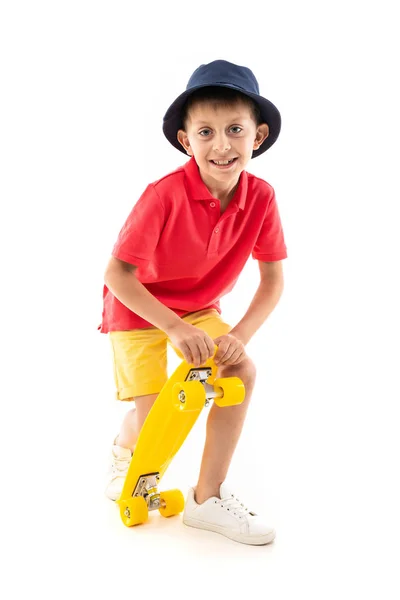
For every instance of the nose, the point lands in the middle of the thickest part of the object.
(221, 143)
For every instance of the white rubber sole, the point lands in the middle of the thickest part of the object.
(253, 540)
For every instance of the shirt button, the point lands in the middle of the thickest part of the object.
(216, 230)
(212, 204)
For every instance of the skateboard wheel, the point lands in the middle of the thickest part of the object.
(133, 511)
(188, 395)
(172, 502)
(232, 389)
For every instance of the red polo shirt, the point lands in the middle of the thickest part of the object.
(189, 255)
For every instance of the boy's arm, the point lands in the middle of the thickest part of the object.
(195, 345)
(121, 280)
(265, 299)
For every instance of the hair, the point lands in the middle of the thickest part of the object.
(219, 96)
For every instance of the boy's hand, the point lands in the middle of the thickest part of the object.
(230, 350)
(195, 345)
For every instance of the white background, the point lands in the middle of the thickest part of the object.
(84, 87)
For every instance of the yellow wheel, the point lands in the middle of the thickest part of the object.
(133, 511)
(232, 390)
(188, 395)
(173, 503)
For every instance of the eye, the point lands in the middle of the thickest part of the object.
(236, 127)
(205, 131)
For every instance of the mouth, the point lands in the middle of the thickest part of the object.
(223, 164)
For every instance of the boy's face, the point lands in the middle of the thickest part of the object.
(218, 133)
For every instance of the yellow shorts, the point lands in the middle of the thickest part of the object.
(140, 355)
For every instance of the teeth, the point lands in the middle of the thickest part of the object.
(223, 162)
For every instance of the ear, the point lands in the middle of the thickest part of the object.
(261, 134)
(184, 141)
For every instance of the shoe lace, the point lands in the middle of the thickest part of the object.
(119, 467)
(233, 505)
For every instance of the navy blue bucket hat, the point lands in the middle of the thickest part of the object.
(221, 73)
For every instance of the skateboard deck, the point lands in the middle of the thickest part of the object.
(166, 427)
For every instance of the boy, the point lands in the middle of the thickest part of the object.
(180, 250)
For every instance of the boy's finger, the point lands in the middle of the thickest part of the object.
(220, 356)
(210, 346)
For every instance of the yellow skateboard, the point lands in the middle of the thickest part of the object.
(169, 421)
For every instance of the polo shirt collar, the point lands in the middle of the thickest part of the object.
(198, 190)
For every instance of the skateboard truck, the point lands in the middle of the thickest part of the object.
(201, 374)
(147, 487)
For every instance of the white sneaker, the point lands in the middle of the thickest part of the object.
(120, 461)
(228, 516)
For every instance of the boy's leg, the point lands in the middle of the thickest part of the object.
(125, 443)
(224, 426)
(140, 369)
(212, 505)
(133, 421)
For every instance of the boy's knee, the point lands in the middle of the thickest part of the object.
(245, 370)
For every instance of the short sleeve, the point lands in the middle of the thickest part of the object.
(270, 245)
(141, 232)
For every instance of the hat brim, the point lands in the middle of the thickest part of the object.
(172, 121)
